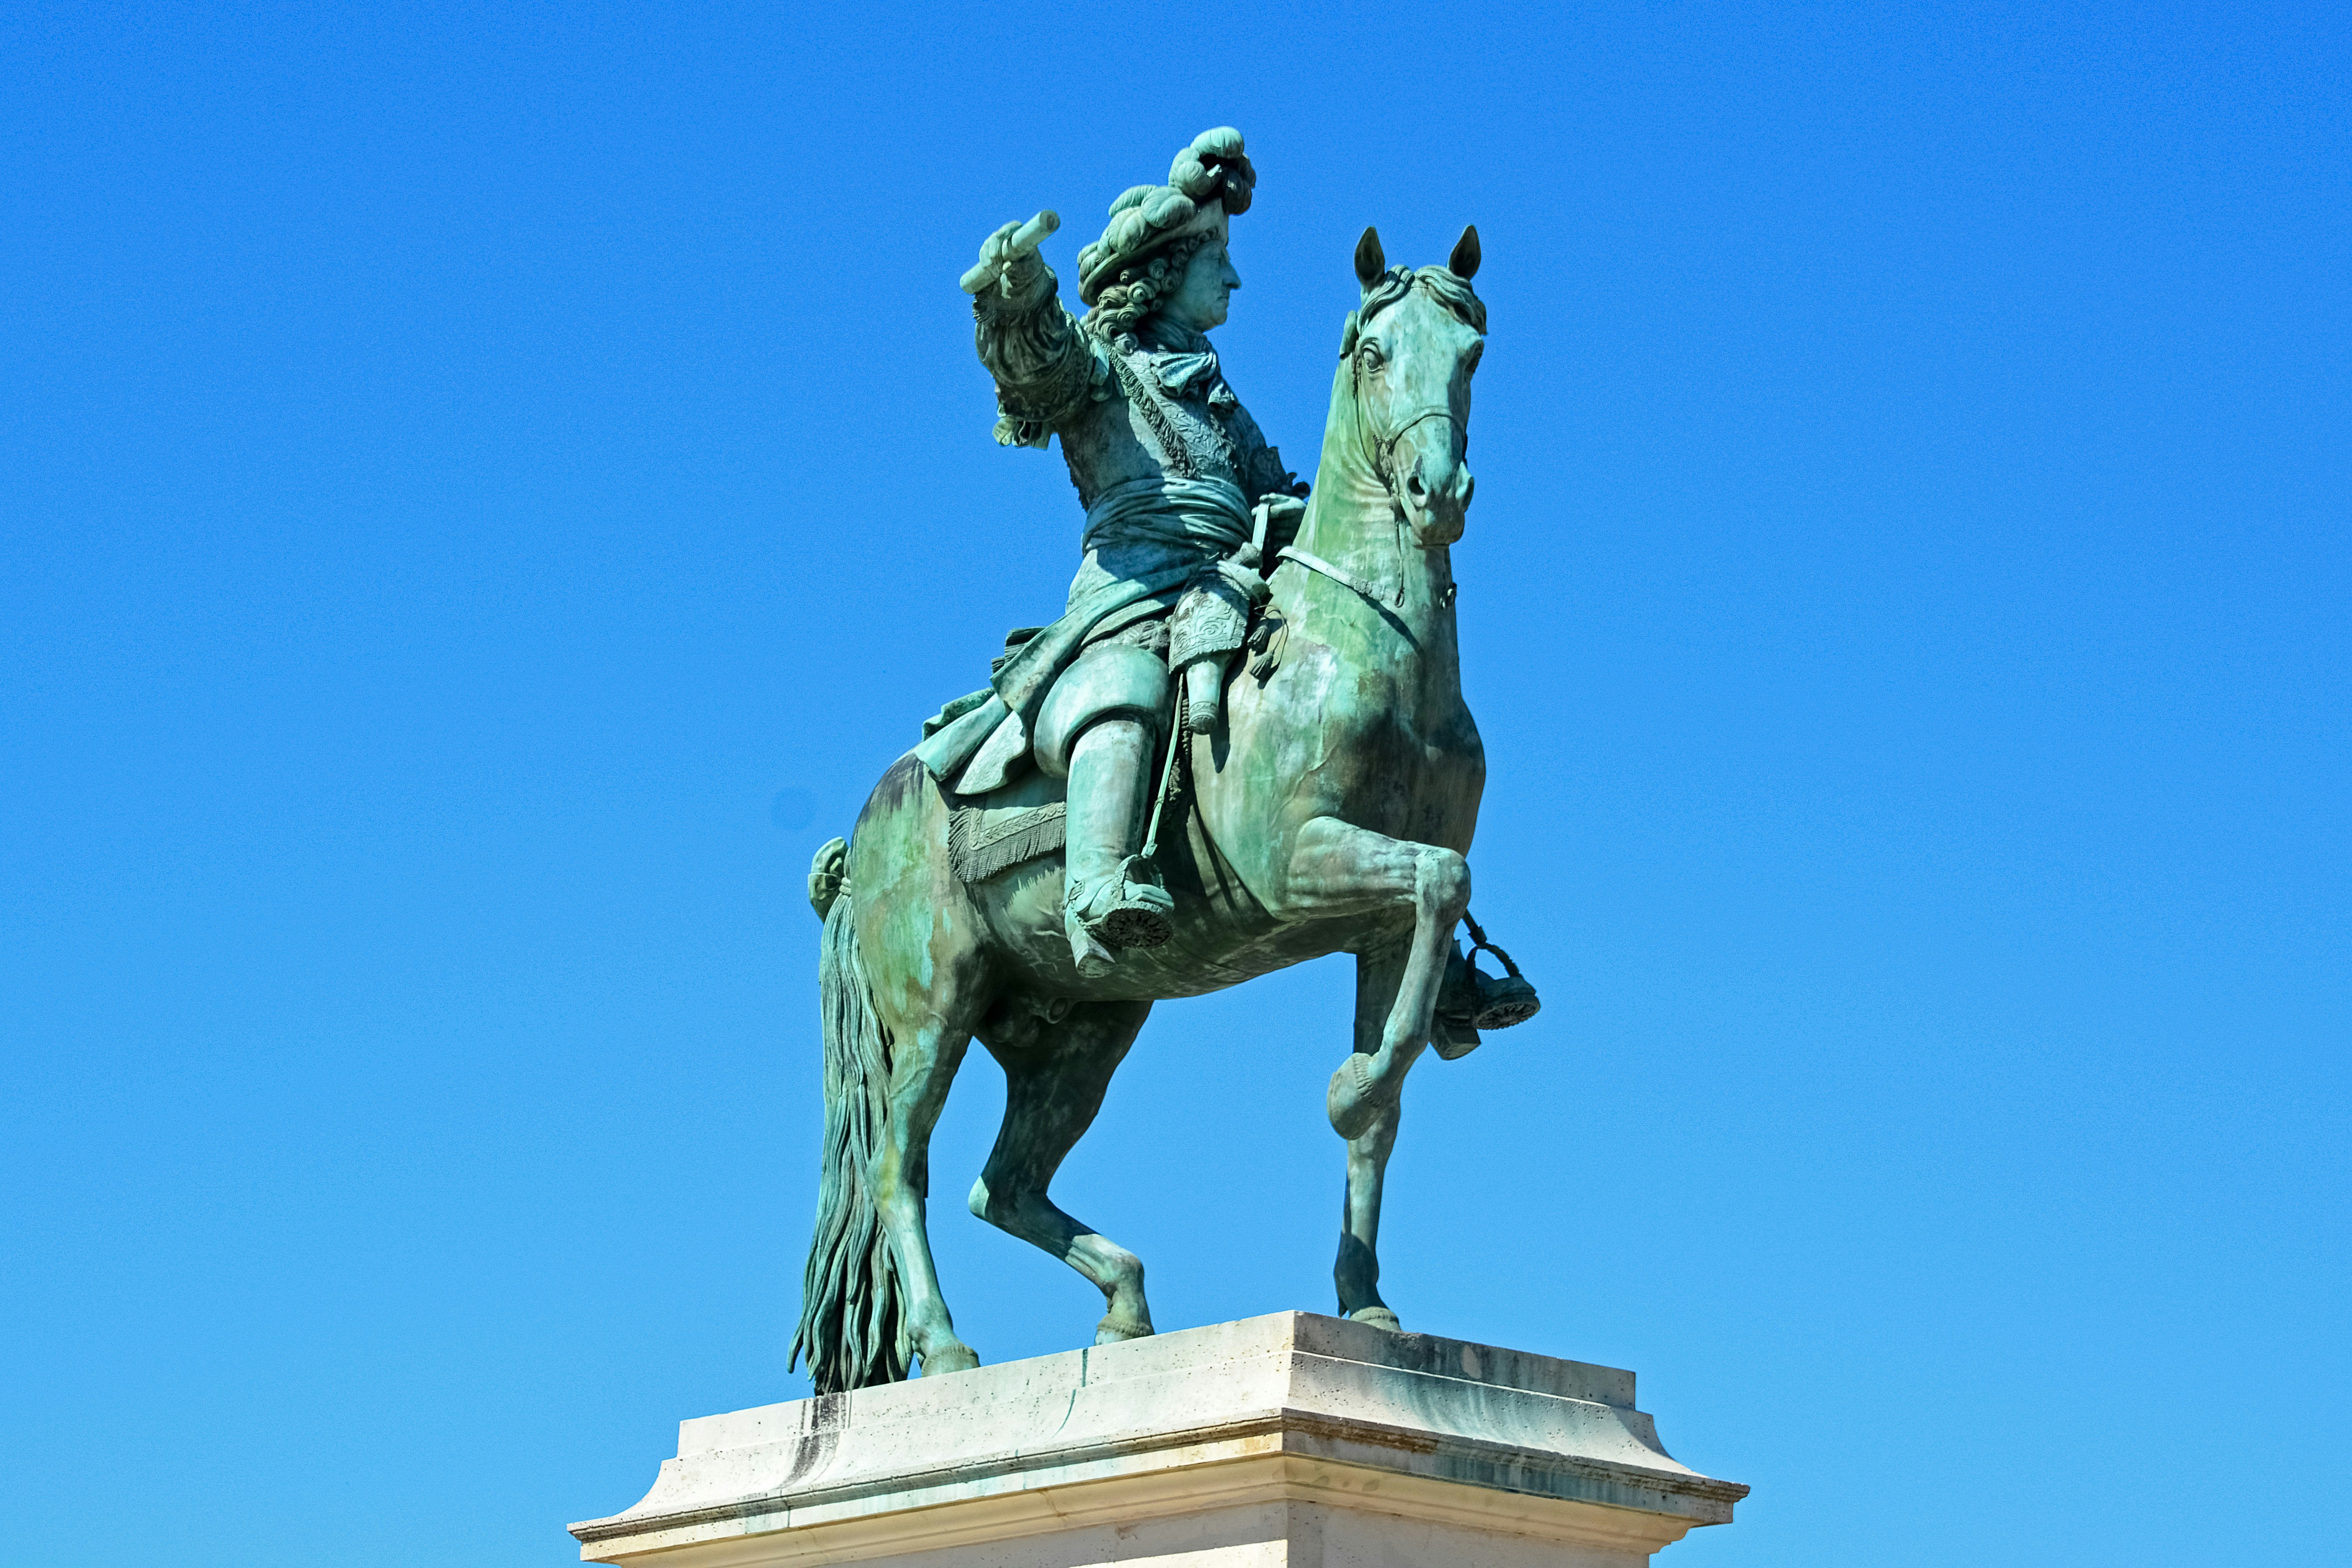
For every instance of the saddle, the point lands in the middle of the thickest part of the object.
(1000, 812)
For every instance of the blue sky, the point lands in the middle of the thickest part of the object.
(484, 490)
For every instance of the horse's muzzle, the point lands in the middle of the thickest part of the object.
(1436, 500)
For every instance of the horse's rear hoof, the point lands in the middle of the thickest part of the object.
(955, 1358)
(1378, 1318)
(1115, 1330)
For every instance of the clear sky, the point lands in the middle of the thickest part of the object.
(485, 488)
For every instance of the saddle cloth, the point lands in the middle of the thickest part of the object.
(985, 840)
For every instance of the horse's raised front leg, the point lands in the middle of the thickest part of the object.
(1337, 868)
(1054, 1076)
(926, 1052)
(1357, 1274)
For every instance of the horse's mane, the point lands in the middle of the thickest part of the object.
(1448, 287)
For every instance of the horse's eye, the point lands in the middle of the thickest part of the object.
(1370, 354)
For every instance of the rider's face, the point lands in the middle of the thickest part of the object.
(1209, 277)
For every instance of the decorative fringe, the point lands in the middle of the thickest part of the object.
(852, 1322)
(979, 849)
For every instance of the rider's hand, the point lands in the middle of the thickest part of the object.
(1284, 510)
(1017, 275)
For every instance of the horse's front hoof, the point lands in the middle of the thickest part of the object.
(955, 1358)
(1115, 1329)
(1350, 1100)
(1379, 1317)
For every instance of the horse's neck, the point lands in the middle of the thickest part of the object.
(1352, 523)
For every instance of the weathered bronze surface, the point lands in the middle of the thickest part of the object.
(1242, 746)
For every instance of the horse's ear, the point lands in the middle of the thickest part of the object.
(1464, 263)
(1370, 261)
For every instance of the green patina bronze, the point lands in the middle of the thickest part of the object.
(1243, 745)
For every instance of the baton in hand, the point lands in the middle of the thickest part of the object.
(1024, 240)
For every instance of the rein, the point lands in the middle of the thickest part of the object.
(1317, 563)
(1377, 455)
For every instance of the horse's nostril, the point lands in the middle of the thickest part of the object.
(1412, 482)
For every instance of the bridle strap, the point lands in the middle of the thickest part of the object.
(1383, 470)
(1428, 414)
(1380, 450)
(1377, 455)
(1317, 563)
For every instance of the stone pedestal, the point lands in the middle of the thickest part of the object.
(1290, 1439)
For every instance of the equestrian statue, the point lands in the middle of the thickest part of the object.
(1242, 746)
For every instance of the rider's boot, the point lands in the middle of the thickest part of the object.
(1104, 908)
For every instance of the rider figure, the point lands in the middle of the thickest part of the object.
(1170, 468)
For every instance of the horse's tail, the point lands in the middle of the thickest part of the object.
(853, 1320)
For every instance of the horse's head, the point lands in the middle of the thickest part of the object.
(1412, 346)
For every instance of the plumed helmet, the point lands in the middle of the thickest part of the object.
(1210, 181)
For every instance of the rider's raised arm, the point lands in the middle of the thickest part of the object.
(1047, 369)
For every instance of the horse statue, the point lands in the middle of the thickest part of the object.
(1327, 809)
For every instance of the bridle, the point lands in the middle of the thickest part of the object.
(1379, 451)
(1377, 455)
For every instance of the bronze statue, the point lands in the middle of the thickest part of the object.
(1242, 746)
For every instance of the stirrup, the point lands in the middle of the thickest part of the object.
(1119, 911)
(1470, 1000)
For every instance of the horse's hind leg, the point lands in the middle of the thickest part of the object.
(1054, 1076)
(928, 980)
(925, 1054)
(1358, 1271)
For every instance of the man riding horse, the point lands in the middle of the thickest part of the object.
(1181, 491)
(1331, 810)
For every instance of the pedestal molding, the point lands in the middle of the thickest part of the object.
(1170, 1429)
